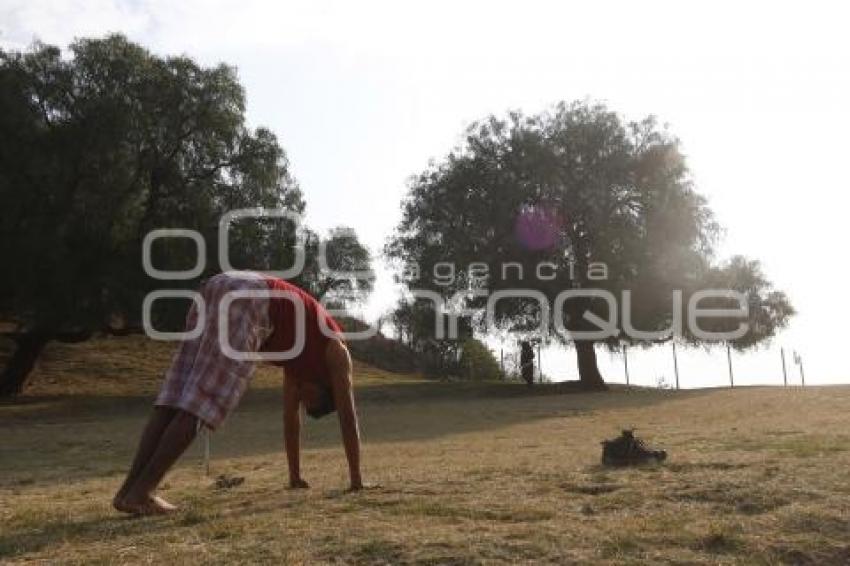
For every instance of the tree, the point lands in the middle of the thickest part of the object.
(766, 305)
(96, 150)
(477, 362)
(347, 272)
(414, 321)
(571, 199)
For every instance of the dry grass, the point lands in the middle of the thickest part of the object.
(469, 474)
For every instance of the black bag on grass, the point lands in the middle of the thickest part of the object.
(628, 450)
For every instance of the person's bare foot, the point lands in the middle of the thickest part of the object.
(152, 505)
(163, 504)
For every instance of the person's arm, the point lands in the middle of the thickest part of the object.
(292, 432)
(344, 400)
(343, 393)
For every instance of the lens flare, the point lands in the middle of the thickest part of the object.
(538, 228)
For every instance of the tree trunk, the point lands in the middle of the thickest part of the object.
(588, 371)
(21, 363)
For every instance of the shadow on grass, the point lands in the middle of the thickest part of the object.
(33, 538)
(54, 439)
(35, 532)
(71, 409)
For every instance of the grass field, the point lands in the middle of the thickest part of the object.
(468, 473)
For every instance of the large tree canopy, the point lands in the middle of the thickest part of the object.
(101, 146)
(561, 194)
(345, 273)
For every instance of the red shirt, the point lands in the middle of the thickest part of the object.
(310, 363)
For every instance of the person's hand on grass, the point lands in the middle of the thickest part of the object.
(298, 483)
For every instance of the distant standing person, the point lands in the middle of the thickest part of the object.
(526, 362)
(204, 384)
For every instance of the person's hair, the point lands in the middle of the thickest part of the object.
(325, 406)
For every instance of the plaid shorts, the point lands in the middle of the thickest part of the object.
(203, 380)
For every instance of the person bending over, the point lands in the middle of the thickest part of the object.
(206, 380)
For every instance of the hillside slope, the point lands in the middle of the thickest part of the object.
(468, 473)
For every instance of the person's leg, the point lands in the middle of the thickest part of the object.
(207, 383)
(157, 423)
(172, 390)
(176, 438)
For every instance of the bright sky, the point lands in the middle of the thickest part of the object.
(363, 94)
